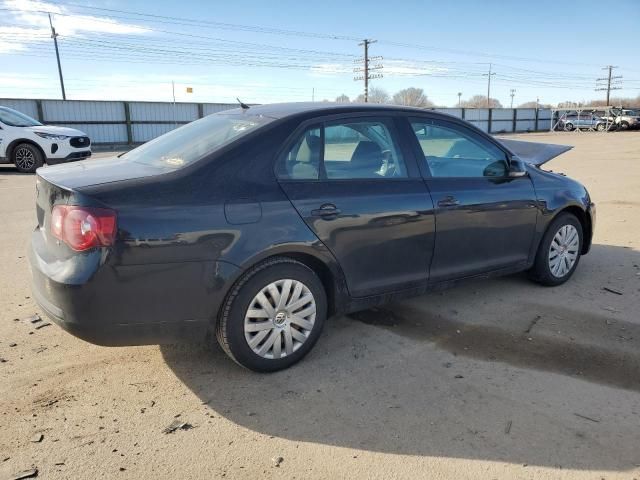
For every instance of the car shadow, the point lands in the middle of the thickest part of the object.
(460, 374)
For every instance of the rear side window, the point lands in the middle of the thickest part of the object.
(453, 151)
(349, 149)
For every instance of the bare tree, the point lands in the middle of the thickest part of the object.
(342, 99)
(413, 97)
(480, 101)
(534, 104)
(376, 95)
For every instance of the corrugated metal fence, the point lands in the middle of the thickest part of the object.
(116, 122)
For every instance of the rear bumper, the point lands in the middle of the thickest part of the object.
(128, 305)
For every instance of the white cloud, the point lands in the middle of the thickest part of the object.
(330, 69)
(32, 22)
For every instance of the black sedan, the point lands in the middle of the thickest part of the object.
(259, 223)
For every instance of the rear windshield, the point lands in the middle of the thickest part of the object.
(194, 141)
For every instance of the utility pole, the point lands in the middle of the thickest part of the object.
(488, 75)
(613, 82)
(513, 92)
(313, 94)
(459, 99)
(367, 67)
(54, 35)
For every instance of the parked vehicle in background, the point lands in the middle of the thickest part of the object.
(583, 120)
(625, 119)
(28, 144)
(256, 224)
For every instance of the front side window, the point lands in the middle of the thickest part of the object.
(14, 118)
(452, 151)
(350, 149)
(194, 141)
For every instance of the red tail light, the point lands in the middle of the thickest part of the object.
(83, 228)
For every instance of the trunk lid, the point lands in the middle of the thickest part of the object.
(533, 152)
(85, 173)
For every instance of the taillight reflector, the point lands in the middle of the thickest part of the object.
(83, 228)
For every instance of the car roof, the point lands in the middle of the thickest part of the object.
(282, 110)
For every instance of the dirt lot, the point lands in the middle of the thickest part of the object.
(494, 379)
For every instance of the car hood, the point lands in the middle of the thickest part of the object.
(70, 132)
(533, 152)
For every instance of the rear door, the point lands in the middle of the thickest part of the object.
(359, 189)
(485, 220)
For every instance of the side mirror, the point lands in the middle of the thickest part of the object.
(517, 168)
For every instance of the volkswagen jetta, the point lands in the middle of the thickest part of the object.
(256, 224)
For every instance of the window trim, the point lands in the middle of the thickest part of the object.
(387, 118)
(454, 125)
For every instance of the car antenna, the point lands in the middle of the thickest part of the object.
(243, 106)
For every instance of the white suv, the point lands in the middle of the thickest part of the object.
(28, 144)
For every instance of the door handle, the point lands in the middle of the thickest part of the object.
(448, 201)
(326, 210)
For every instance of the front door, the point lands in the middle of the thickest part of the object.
(359, 192)
(485, 220)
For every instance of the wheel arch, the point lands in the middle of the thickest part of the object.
(585, 223)
(17, 142)
(317, 259)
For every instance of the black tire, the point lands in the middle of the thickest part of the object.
(541, 270)
(601, 127)
(624, 125)
(26, 157)
(568, 127)
(230, 327)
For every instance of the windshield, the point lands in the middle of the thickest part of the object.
(16, 119)
(195, 140)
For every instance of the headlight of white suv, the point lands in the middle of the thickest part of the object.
(51, 136)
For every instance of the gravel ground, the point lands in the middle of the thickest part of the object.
(492, 379)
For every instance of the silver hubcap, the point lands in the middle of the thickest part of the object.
(280, 319)
(25, 158)
(563, 252)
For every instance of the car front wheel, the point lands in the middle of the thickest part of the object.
(559, 251)
(273, 315)
(27, 158)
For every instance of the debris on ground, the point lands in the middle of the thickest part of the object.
(533, 324)
(13, 345)
(38, 327)
(177, 425)
(37, 438)
(507, 429)
(32, 473)
(277, 461)
(458, 376)
(611, 290)
(587, 418)
(35, 318)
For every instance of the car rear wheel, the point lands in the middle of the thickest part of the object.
(601, 127)
(27, 158)
(273, 315)
(568, 127)
(624, 125)
(559, 251)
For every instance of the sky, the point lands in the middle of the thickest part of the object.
(263, 52)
